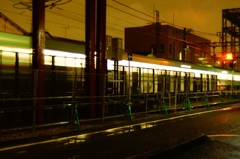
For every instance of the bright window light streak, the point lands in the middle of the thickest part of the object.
(224, 72)
(153, 66)
(236, 78)
(46, 52)
(185, 66)
(110, 64)
(63, 54)
(19, 50)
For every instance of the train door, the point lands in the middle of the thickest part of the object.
(147, 81)
(116, 80)
(161, 82)
(136, 81)
(204, 81)
(122, 80)
(214, 82)
(173, 76)
(182, 82)
(197, 83)
(209, 83)
(156, 75)
(191, 81)
(167, 81)
(178, 79)
(187, 82)
(110, 82)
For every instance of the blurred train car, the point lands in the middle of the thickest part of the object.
(144, 80)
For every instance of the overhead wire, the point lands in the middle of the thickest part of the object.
(184, 42)
(165, 35)
(75, 16)
(163, 21)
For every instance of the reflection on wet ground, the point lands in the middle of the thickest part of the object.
(83, 138)
(106, 133)
(120, 130)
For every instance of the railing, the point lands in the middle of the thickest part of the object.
(19, 113)
(20, 108)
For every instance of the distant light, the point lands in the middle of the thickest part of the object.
(185, 66)
(225, 72)
(229, 56)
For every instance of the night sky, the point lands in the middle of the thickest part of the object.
(203, 16)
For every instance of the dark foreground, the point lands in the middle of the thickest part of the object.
(208, 134)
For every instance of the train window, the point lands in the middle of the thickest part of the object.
(143, 82)
(204, 82)
(48, 60)
(110, 82)
(129, 77)
(214, 82)
(182, 82)
(70, 62)
(123, 80)
(161, 81)
(209, 83)
(122, 77)
(167, 81)
(80, 63)
(157, 73)
(178, 78)
(147, 80)
(25, 59)
(186, 82)
(8, 58)
(150, 81)
(192, 77)
(135, 83)
(60, 61)
(173, 75)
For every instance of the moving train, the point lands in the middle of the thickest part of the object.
(143, 80)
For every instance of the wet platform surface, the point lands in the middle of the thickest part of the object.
(170, 137)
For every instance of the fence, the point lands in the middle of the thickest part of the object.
(24, 105)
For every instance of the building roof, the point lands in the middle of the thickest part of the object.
(7, 25)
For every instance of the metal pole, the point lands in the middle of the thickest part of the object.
(90, 38)
(147, 94)
(232, 81)
(101, 61)
(38, 45)
(176, 89)
(129, 85)
(35, 77)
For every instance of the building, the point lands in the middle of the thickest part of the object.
(165, 41)
(231, 37)
(8, 26)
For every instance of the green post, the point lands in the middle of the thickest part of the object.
(205, 101)
(162, 102)
(164, 107)
(129, 105)
(76, 117)
(187, 101)
(73, 110)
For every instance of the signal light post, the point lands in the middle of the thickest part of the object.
(229, 57)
